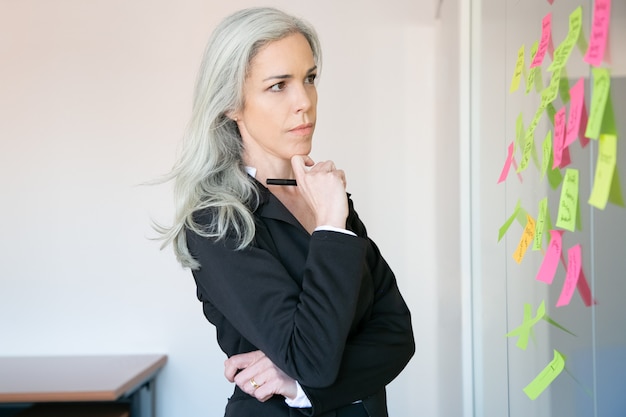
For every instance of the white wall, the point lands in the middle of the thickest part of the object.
(94, 97)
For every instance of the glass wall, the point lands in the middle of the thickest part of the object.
(548, 245)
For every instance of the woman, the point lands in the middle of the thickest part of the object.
(305, 307)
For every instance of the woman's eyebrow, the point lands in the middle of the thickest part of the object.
(288, 76)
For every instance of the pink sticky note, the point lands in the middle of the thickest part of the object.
(577, 115)
(507, 163)
(550, 1)
(584, 290)
(546, 35)
(519, 176)
(573, 274)
(558, 146)
(599, 32)
(551, 260)
(551, 48)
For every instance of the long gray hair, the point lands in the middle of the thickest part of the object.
(209, 173)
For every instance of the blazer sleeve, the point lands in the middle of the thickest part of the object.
(382, 347)
(302, 330)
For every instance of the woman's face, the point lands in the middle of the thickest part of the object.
(280, 100)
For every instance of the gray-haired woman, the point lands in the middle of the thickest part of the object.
(305, 307)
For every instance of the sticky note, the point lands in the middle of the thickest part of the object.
(526, 239)
(546, 161)
(519, 131)
(599, 32)
(546, 35)
(549, 94)
(568, 203)
(519, 68)
(560, 152)
(584, 290)
(525, 330)
(530, 81)
(505, 227)
(563, 51)
(528, 152)
(577, 120)
(605, 171)
(574, 266)
(555, 178)
(599, 98)
(564, 86)
(507, 163)
(550, 261)
(545, 377)
(540, 226)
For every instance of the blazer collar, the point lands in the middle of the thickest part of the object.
(271, 207)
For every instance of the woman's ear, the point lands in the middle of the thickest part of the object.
(233, 115)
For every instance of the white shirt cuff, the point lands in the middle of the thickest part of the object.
(335, 229)
(301, 400)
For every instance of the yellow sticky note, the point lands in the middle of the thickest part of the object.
(568, 203)
(519, 69)
(563, 51)
(545, 377)
(525, 240)
(600, 94)
(605, 171)
(529, 150)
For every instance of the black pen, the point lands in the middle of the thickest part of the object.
(280, 181)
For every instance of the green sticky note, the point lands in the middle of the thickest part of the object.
(545, 377)
(615, 195)
(551, 110)
(522, 217)
(519, 131)
(563, 51)
(519, 70)
(540, 226)
(538, 80)
(599, 98)
(529, 146)
(505, 227)
(608, 119)
(554, 175)
(568, 203)
(548, 227)
(605, 171)
(564, 87)
(549, 94)
(530, 81)
(546, 161)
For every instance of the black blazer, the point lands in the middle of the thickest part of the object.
(325, 308)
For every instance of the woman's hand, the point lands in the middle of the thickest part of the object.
(323, 187)
(257, 376)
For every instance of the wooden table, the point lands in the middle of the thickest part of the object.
(113, 378)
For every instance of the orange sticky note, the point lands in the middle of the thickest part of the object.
(574, 266)
(551, 260)
(599, 32)
(546, 35)
(526, 239)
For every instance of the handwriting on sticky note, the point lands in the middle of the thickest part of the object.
(546, 162)
(563, 51)
(574, 266)
(519, 68)
(568, 203)
(541, 224)
(577, 120)
(525, 240)
(558, 148)
(599, 98)
(599, 32)
(546, 35)
(528, 152)
(551, 259)
(605, 170)
(545, 377)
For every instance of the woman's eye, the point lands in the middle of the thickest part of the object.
(278, 86)
(311, 79)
